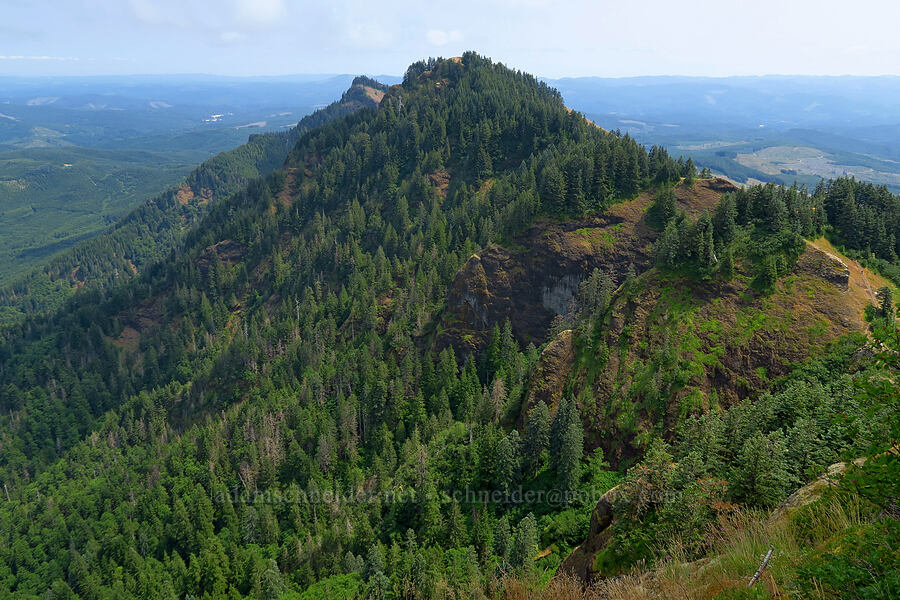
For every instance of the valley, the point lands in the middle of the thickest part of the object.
(75, 162)
(756, 129)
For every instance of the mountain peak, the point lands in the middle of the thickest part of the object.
(365, 91)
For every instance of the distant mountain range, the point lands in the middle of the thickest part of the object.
(781, 128)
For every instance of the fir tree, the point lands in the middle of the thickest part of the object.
(525, 543)
(760, 476)
(569, 461)
(507, 468)
(553, 189)
(537, 437)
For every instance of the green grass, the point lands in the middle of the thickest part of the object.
(842, 545)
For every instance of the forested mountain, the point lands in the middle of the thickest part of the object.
(148, 233)
(77, 154)
(339, 383)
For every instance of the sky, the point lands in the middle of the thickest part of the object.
(548, 38)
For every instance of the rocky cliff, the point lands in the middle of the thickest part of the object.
(535, 277)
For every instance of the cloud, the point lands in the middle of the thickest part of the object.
(220, 23)
(259, 12)
(368, 35)
(439, 37)
(20, 57)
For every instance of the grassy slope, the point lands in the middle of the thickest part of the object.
(671, 346)
(840, 542)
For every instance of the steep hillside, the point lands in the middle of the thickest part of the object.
(277, 350)
(276, 409)
(153, 230)
(669, 346)
(535, 275)
(818, 541)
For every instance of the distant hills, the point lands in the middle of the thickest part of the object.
(148, 232)
(77, 153)
(773, 128)
(749, 129)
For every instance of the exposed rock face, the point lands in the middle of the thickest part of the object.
(580, 562)
(531, 287)
(482, 295)
(539, 279)
(825, 265)
(559, 296)
(811, 492)
(550, 374)
(229, 252)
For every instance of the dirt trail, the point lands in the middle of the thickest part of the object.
(863, 283)
(866, 281)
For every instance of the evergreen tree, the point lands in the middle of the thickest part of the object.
(887, 310)
(595, 293)
(507, 465)
(525, 543)
(566, 413)
(806, 450)
(774, 212)
(271, 585)
(663, 208)
(760, 476)
(569, 461)
(724, 221)
(704, 249)
(726, 265)
(689, 171)
(768, 274)
(483, 167)
(566, 444)
(375, 561)
(553, 189)
(457, 536)
(537, 437)
(503, 541)
(668, 246)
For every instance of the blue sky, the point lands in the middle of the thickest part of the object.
(551, 39)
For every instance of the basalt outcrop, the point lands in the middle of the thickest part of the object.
(668, 346)
(535, 278)
(580, 563)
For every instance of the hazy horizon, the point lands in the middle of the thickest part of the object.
(312, 77)
(697, 38)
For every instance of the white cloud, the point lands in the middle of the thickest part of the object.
(368, 35)
(259, 12)
(20, 57)
(439, 37)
